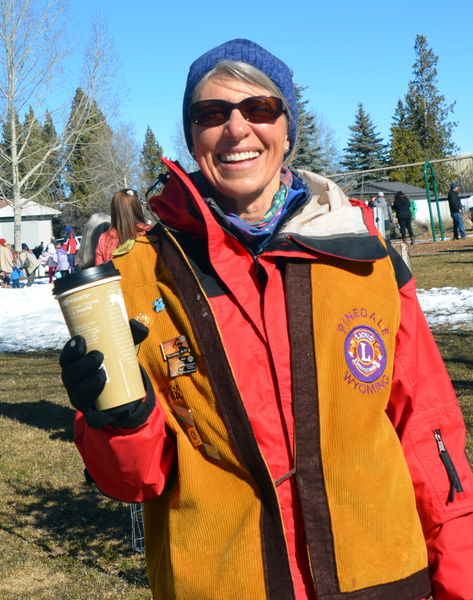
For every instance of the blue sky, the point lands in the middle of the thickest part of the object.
(345, 53)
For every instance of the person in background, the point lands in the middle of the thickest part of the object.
(372, 201)
(456, 211)
(402, 208)
(300, 437)
(38, 250)
(70, 247)
(127, 223)
(97, 224)
(16, 273)
(6, 260)
(384, 215)
(28, 263)
(4, 280)
(49, 257)
(62, 266)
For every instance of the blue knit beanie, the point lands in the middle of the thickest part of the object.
(453, 185)
(253, 54)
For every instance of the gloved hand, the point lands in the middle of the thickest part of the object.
(84, 380)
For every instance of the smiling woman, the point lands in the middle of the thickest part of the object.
(241, 156)
(300, 437)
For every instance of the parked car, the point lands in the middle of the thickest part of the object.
(78, 239)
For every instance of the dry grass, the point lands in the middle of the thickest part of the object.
(59, 538)
(62, 540)
(440, 264)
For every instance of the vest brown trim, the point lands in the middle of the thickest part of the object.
(397, 589)
(278, 578)
(308, 460)
(309, 475)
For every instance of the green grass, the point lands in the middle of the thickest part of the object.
(60, 539)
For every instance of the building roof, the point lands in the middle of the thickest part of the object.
(388, 187)
(30, 209)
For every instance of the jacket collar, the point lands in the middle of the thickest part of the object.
(329, 223)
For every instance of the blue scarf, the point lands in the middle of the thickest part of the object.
(258, 235)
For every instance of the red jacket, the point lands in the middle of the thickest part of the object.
(70, 246)
(421, 393)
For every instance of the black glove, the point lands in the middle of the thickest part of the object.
(84, 380)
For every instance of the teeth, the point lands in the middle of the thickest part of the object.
(236, 156)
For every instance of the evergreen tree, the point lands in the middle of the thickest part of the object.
(307, 152)
(365, 149)
(38, 176)
(150, 159)
(427, 113)
(6, 155)
(404, 147)
(84, 156)
(55, 162)
(423, 131)
(31, 137)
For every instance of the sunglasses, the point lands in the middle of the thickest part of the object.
(257, 109)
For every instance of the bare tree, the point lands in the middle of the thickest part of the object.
(115, 159)
(184, 157)
(32, 52)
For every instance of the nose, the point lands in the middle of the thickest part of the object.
(237, 127)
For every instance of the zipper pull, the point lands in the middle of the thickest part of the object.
(455, 483)
(438, 437)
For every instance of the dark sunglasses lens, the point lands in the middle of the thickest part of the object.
(209, 112)
(261, 109)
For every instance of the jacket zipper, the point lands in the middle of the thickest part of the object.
(455, 483)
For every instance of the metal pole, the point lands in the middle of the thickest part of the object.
(427, 165)
(427, 189)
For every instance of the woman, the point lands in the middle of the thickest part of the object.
(96, 226)
(293, 386)
(402, 208)
(127, 222)
(6, 260)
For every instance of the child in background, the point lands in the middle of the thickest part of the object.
(15, 276)
(62, 260)
(50, 259)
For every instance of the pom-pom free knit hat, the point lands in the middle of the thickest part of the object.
(253, 54)
(453, 185)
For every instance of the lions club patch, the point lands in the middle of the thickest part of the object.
(365, 353)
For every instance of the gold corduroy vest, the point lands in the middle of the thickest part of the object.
(216, 533)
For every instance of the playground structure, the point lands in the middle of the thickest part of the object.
(462, 171)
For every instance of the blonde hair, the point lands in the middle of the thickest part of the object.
(126, 212)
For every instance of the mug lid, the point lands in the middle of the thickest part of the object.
(89, 275)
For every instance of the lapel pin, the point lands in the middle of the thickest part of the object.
(158, 305)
